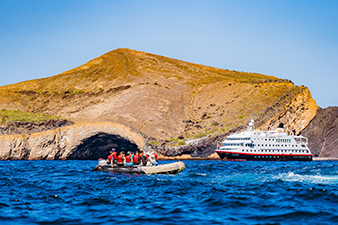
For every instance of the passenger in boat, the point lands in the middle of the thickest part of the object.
(120, 159)
(113, 160)
(144, 158)
(137, 159)
(129, 159)
(156, 158)
(108, 162)
(151, 160)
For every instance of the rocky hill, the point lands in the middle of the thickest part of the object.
(322, 133)
(170, 101)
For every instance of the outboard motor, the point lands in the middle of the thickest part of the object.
(101, 161)
(281, 125)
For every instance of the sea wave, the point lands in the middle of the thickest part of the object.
(206, 192)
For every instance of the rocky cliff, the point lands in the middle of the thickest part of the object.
(296, 114)
(322, 133)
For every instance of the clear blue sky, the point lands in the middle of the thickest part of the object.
(296, 40)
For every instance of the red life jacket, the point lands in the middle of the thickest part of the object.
(114, 155)
(120, 159)
(128, 158)
(135, 158)
(155, 156)
(109, 157)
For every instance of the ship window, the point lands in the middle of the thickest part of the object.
(265, 139)
(269, 139)
(270, 145)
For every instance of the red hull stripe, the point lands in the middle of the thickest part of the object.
(262, 153)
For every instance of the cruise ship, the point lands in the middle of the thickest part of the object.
(257, 145)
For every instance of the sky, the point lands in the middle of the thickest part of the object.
(289, 39)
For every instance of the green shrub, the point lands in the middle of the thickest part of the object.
(181, 142)
(174, 139)
(153, 143)
(199, 135)
(77, 91)
(9, 116)
(214, 124)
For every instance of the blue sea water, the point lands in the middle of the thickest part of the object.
(206, 192)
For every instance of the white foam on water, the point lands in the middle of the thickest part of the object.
(317, 179)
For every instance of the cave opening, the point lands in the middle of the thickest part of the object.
(99, 146)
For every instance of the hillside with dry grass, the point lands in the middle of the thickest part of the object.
(167, 99)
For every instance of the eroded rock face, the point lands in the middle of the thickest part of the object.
(31, 127)
(296, 115)
(71, 142)
(322, 133)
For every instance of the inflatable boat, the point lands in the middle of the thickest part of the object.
(171, 168)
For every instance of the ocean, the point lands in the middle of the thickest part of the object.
(206, 192)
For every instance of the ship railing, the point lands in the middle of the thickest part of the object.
(301, 140)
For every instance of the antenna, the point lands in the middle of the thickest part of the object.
(251, 125)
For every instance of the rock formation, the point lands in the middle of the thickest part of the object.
(81, 141)
(296, 115)
(32, 127)
(322, 133)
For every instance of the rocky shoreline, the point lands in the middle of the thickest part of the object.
(197, 148)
